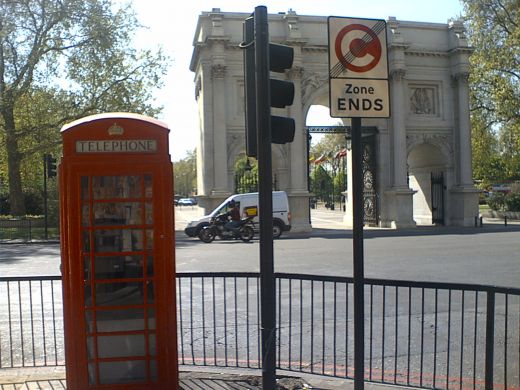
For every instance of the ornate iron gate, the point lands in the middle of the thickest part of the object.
(370, 196)
(437, 184)
(370, 191)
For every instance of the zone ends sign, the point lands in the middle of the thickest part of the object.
(358, 68)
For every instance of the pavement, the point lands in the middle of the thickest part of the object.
(203, 378)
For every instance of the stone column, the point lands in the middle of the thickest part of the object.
(464, 125)
(220, 169)
(463, 196)
(398, 127)
(399, 197)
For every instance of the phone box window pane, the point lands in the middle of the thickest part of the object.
(85, 215)
(127, 345)
(124, 320)
(148, 213)
(122, 372)
(150, 291)
(117, 213)
(86, 241)
(149, 239)
(118, 240)
(149, 265)
(119, 294)
(107, 187)
(151, 318)
(85, 195)
(148, 186)
(113, 267)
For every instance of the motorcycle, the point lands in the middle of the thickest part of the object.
(216, 227)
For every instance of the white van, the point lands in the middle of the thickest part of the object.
(248, 204)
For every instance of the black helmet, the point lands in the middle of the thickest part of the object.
(232, 203)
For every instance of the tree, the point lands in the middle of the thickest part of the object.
(61, 60)
(185, 174)
(323, 183)
(494, 32)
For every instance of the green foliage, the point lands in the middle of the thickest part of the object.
(512, 202)
(63, 60)
(328, 179)
(185, 175)
(497, 202)
(494, 32)
(246, 175)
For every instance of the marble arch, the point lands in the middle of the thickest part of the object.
(428, 66)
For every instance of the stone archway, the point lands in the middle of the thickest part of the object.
(426, 161)
(428, 66)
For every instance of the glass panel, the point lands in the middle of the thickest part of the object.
(149, 265)
(91, 374)
(125, 320)
(149, 239)
(150, 291)
(152, 345)
(86, 241)
(85, 215)
(122, 372)
(148, 186)
(153, 370)
(113, 267)
(121, 345)
(90, 348)
(86, 268)
(118, 240)
(120, 213)
(119, 294)
(107, 187)
(84, 188)
(151, 318)
(148, 219)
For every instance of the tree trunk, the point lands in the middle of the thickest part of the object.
(16, 199)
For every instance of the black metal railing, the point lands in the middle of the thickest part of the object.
(31, 322)
(419, 334)
(26, 230)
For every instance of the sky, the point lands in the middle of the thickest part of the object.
(171, 25)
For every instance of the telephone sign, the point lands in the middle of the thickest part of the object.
(358, 68)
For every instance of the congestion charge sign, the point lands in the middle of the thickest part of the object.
(358, 68)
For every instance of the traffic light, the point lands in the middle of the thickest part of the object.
(281, 93)
(262, 92)
(50, 165)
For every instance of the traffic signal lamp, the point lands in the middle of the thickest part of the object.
(262, 92)
(281, 93)
(50, 165)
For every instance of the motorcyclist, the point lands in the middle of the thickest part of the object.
(234, 217)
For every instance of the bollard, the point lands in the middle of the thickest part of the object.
(481, 224)
(505, 220)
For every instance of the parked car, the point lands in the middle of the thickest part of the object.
(186, 202)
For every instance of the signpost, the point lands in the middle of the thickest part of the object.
(358, 88)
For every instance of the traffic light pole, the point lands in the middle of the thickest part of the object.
(358, 267)
(263, 126)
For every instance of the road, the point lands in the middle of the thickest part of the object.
(487, 255)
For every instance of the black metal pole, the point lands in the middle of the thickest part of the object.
(263, 121)
(358, 266)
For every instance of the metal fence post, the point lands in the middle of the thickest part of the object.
(490, 339)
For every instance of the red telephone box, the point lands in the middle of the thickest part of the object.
(118, 254)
